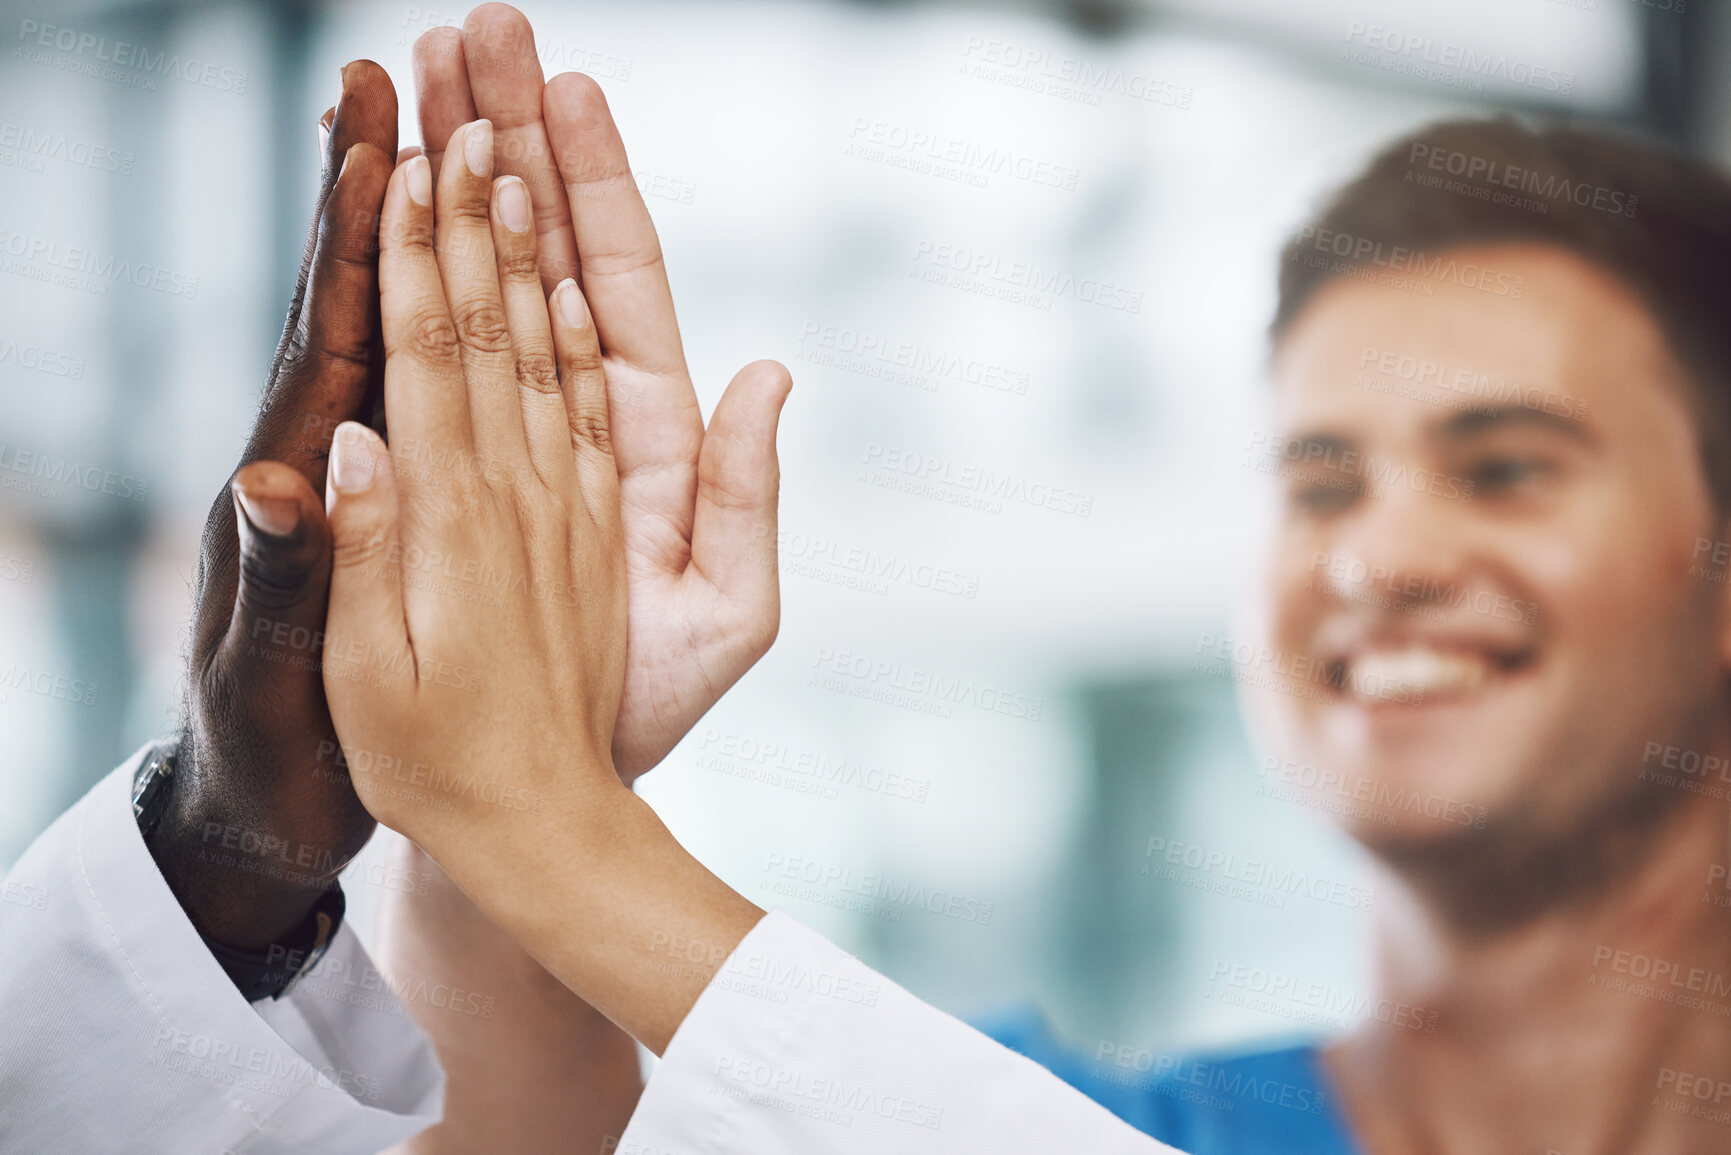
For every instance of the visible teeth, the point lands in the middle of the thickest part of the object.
(1387, 675)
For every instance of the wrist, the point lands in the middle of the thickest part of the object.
(239, 882)
(599, 893)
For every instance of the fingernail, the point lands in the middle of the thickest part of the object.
(351, 459)
(514, 204)
(419, 178)
(478, 148)
(571, 305)
(271, 516)
(324, 140)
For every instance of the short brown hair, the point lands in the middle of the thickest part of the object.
(1657, 219)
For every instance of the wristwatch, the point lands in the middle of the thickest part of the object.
(272, 972)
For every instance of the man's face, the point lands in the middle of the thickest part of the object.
(1485, 587)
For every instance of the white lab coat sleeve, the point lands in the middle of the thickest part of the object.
(797, 1048)
(119, 1032)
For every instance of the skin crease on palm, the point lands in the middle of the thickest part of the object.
(1539, 719)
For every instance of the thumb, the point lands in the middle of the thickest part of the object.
(368, 644)
(276, 631)
(738, 484)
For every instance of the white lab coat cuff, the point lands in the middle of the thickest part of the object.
(797, 1048)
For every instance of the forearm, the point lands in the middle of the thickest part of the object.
(605, 897)
(530, 1067)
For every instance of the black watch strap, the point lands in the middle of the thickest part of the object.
(272, 972)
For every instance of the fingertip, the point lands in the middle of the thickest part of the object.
(434, 46)
(494, 26)
(358, 458)
(368, 108)
(269, 497)
(418, 180)
(574, 92)
(570, 309)
(777, 378)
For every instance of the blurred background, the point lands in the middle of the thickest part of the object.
(983, 754)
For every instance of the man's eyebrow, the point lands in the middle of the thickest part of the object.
(1325, 441)
(1482, 419)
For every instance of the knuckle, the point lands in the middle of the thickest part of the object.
(359, 545)
(584, 359)
(519, 263)
(432, 336)
(589, 425)
(270, 581)
(536, 371)
(481, 326)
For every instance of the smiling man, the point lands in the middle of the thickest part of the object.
(1501, 371)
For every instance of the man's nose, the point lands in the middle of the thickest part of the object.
(1406, 544)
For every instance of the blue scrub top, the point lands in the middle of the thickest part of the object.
(1250, 1103)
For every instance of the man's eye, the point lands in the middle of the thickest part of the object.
(1506, 472)
(1324, 496)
